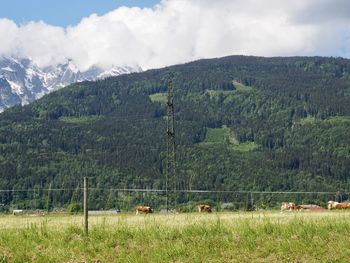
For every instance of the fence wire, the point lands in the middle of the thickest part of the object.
(126, 199)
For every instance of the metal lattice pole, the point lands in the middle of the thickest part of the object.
(170, 170)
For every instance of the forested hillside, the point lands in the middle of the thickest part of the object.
(242, 123)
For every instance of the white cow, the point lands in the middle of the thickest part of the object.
(17, 212)
(289, 206)
(332, 205)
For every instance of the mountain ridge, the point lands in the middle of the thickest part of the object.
(23, 81)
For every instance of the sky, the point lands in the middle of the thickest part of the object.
(62, 12)
(153, 34)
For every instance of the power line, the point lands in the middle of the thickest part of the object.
(37, 190)
(164, 190)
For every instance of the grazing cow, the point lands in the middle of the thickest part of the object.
(17, 212)
(336, 205)
(332, 205)
(144, 209)
(300, 207)
(288, 206)
(344, 205)
(310, 207)
(204, 208)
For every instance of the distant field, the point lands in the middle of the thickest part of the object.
(332, 120)
(240, 87)
(224, 135)
(159, 97)
(216, 237)
(219, 136)
(83, 119)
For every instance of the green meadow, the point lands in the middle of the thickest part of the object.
(224, 136)
(217, 237)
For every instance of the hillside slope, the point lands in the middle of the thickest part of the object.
(242, 123)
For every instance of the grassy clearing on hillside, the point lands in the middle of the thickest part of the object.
(219, 136)
(159, 97)
(82, 119)
(230, 94)
(240, 87)
(307, 120)
(224, 135)
(215, 93)
(245, 147)
(338, 119)
(332, 120)
(217, 237)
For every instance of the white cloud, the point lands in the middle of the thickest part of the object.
(177, 31)
(8, 34)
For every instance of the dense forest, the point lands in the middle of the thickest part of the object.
(242, 123)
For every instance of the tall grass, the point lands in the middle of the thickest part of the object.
(236, 237)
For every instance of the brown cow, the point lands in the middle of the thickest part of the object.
(144, 209)
(344, 205)
(300, 207)
(288, 206)
(331, 205)
(204, 208)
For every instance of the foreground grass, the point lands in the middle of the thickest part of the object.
(234, 237)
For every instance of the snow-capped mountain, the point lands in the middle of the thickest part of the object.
(22, 81)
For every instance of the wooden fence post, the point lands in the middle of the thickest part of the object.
(86, 205)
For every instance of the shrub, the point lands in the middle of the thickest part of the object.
(73, 208)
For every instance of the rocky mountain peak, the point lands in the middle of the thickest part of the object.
(22, 81)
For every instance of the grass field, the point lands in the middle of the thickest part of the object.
(216, 237)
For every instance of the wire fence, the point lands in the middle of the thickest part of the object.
(125, 200)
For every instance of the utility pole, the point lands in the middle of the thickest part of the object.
(170, 132)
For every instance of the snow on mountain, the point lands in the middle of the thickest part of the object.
(22, 81)
(7, 69)
(15, 87)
